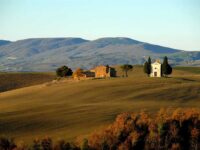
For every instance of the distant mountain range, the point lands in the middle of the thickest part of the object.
(46, 54)
(4, 42)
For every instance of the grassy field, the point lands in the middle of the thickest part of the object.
(69, 109)
(10, 81)
(189, 69)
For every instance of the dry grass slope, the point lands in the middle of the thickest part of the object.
(70, 109)
(10, 81)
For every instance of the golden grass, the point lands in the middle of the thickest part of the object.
(10, 81)
(70, 109)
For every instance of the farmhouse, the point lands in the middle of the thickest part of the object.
(98, 72)
(156, 69)
(104, 71)
(80, 74)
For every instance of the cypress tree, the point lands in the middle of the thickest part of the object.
(147, 66)
(149, 60)
(146, 70)
(166, 68)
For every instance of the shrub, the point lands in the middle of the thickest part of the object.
(64, 71)
(62, 145)
(36, 144)
(179, 129)
(7, 143)
(85, 145)
(46, 144)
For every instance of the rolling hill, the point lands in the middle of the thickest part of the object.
(72, 108)
(46, 54)
(4, 42)
(10, 81)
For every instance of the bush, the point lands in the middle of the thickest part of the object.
(62, 145)
(179, 129)
(36, 145)
(47, 144)
(64, 71)
(85, 145)
(7, 143)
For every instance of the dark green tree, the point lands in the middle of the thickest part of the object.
(126, 68)
(147, 66)
(166, 68)
(64, 71)
(149, 60)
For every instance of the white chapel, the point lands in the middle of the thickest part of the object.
(156, 69)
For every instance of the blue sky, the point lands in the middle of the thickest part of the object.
(172, 23)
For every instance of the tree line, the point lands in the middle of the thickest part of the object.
(169, 129)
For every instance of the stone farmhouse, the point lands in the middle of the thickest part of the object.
(83, 74)
(156, 70)
(88, 74)
(98, 72)
(104, 71)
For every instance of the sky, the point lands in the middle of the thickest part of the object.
(171, 23)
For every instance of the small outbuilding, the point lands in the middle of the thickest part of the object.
(156, 70)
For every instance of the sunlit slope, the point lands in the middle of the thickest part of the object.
(70, 109)
(10, 81)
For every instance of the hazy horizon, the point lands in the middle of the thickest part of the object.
(173, 23)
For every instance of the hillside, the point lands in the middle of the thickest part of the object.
(10, 81)
(72, 108)
(4, 42)
(46, 54)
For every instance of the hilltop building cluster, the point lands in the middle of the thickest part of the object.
(155, 69)
(97, 72)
